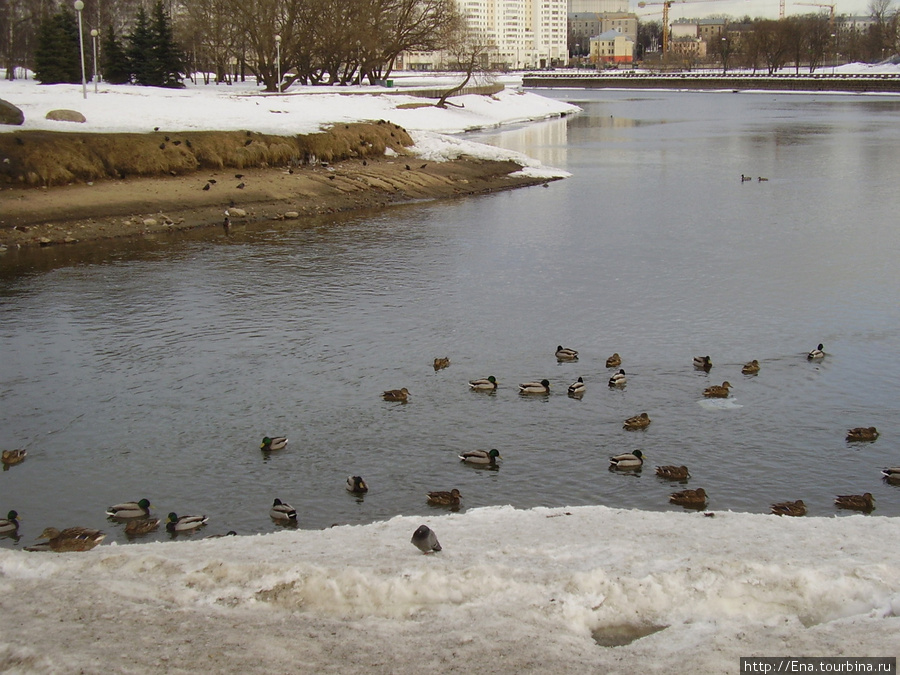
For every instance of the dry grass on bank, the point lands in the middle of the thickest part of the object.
(38, 158)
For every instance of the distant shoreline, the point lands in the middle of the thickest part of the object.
(822, 82)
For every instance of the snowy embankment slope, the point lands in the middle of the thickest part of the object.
(120, 109)
(511, 591)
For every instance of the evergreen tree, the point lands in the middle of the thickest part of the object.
(56, 55)
(140, 50)
(113, 61)
(168, 60)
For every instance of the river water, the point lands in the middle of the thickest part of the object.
(154, 369)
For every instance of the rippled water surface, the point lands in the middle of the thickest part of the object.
(153, 370)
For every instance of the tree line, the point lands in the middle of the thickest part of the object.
(811, 41)
(306, 41)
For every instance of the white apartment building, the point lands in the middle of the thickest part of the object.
(523, 34)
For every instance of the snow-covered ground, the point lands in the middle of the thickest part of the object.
(301, 110)
(542, 591)
(512, 591)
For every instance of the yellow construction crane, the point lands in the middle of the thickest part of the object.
(665, 20)
(830, 11)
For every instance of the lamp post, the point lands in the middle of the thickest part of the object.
(94, 35)
(278, 59)
(79, 6)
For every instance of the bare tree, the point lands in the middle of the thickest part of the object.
(468, 52)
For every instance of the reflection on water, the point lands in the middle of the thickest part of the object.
(155, 369)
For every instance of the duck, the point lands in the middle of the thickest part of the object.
(702, 362)
(864, 502)
(542, 387)
(627, 460)
(641, 421)
(797, 508)
(10, 457)
(614, 361)
(717, 391)
(441, 363)
(577, 388)
(618, 379)
(444, 498)
(396, 395)
(139, 526)
(673, 472)
(283, 513)
(751, 368)
(140, 509)
(891, 474)
(176, 523)
(816, 353)
(425, 540)
(356, 485)
(72, 539)
(10, 524)
(744, 178)
(481, 457)
(566, 354)
(273, 443)
(692, 498)
(488, 383)
(862, 434)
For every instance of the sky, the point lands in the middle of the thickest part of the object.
(564, 590)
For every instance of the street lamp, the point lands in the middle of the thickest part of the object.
(278, 59)
(94, 34)
(79, 5)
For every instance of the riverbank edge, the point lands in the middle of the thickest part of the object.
(112, 209)
(817, 83)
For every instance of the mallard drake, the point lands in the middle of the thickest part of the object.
(566, 354)
(891, 474)
(441, 363)
(425, 540)
(864, 502)
(577, 388)
(695, 499)
(673, 472)
(641, 421)
(356, 485)
(862, 434)
(176, 523)
(797, 508)
(444, 498)
(72, 539)
(751, 368)
(396, 395)
(618, 379)
(10, 457)
(481, 457)
(614, 361)
(542, 387)
(816, 353)
(488, 383)
(717, 391)
(702, 362)
(283, 513)
(10, 524)
(125, 510)
(627, 460)
(140, 526)
(274, 443)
